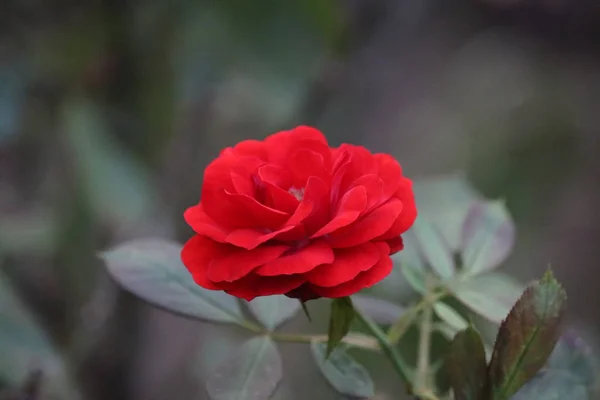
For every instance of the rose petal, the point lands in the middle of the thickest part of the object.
(409, 211)
(196, 255)
(230, 263)
(352, 204)
(374, 187)
(300, 261)
(368, 227)
(390, 172)
(396, 244)
(348, 263)
(304, 163)
(252, 286)
(364, 280)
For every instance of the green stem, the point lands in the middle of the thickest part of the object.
(388, 349)
(422, 377)
(251, 326)
(352, 339)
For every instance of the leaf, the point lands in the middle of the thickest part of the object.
(272, 311)
(250, 373)
(527, 337)
(466, 366)
(570, 373)
(552, 385)
(445, 200)
(575, 357)
(435, 251)
(488, 236)
(411, 263)
(490, 295)
(152, 269)
(117, 187)
(381, 311)
(450, 316)
(346, 375)
(25, 347)
(342, 314)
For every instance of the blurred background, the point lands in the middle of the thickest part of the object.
(111, 109)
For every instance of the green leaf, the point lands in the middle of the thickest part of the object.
(434, 248)
(24, 346)
(488, 236)
(117, 187)
(466, 366)
(346, 375)
(252, 372)
(381, 311)
(445, 200)
(527, 337)
(411, 263)
(152, 269)
(553, 385)
(491, 295)
(272, 311)
(450, 316)
(571, 373)
(342, 314)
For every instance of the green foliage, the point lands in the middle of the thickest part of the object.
(527, 337)
(342, 314)
(251, 372)
(466, 366)
(272, 311)
(434, 248)
(25, 347)
(152, 269)
(381, 311)
(344, 373)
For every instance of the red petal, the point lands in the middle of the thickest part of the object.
(254, 148)
(390, 173)
(370, 226)
(202, 224)
(351, 206)
(299, 262)
(251, 238)
(196, 256)
(396, 244)
(252, 286)
(409, 211)
(374, 187)
(230, 263)
(364, 280)
(316, 197)
(304, 163)
(280, 144)
(348, 263)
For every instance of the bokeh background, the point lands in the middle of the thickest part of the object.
(111, 109)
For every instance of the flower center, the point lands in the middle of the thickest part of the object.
(298, 193)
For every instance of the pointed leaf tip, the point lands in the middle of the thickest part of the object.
(527, 337)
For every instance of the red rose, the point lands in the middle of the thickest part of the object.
(291, 215)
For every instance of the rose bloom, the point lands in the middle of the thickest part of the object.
(291, 215)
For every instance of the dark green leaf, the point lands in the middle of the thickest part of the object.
(381, 311)
(252, 372)
(346, 375)
(527, 337)
(152, 269)
(342, 314)
(24, 346)
(305, 310)
(488, 236)
(466, 366)
(434, 248)
(491, 295)
(272, 311)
